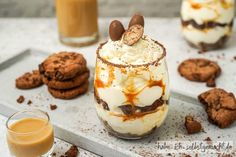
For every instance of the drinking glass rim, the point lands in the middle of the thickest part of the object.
(23, 111)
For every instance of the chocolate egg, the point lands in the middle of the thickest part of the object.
(137, 19)
(116, 30)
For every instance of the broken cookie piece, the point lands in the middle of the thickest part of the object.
(29, 80)
(192, 125)
(133, 34)
(220, 106)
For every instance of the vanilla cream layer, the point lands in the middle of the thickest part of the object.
(201, 11)
(139, 86)
(142, 52)
(137, 126)
(209, 36)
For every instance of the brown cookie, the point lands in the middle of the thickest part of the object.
(67, 84)
(63, 65)
(29, 80)
(192, 125)
(200, 70)
(133, 34)
(69, 93)
(220, 106)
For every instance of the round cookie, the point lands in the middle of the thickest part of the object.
(29, 80)
(67, 84)
(63, 65)
(199, 69)
(69, 93)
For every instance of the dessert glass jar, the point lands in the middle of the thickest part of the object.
(207, 24)
(30, 134)
(131, 96)
(77, 21)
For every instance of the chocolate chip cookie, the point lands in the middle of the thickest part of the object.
(220, 106)
(29, 80)
(63, 65)
(69, 93)
(200, 70)
(67, 84)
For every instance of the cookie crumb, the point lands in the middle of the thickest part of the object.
(54, 154)
(211, 82)
(207, 139)
(234, 57)
(72, 152)
(53, 107)
(21, 99)
(192, 125)
(29, 102)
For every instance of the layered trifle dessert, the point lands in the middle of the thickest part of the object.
(131, 81)
(207, 24)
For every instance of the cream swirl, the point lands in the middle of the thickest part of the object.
(144, 51)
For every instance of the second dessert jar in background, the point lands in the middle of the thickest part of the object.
(131, 81)
(207, 24)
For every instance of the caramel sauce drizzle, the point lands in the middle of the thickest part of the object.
(210, 6)
(131, 95)
(130, 91)
(196, 5)
(98, 83)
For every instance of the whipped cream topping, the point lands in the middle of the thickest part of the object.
(221, 11)
(143, 52)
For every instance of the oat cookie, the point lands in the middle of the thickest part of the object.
(69, 93)
(67, 84)
(200, 70)
(63, 65)
(29, 80)
(220, 106)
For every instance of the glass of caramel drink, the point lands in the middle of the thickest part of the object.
(77, 21)
(30, 134)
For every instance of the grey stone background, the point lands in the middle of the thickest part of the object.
(107, 8)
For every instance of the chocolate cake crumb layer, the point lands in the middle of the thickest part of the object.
(209, 24)
(126, 135)
(131, 109)
(211, 46)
